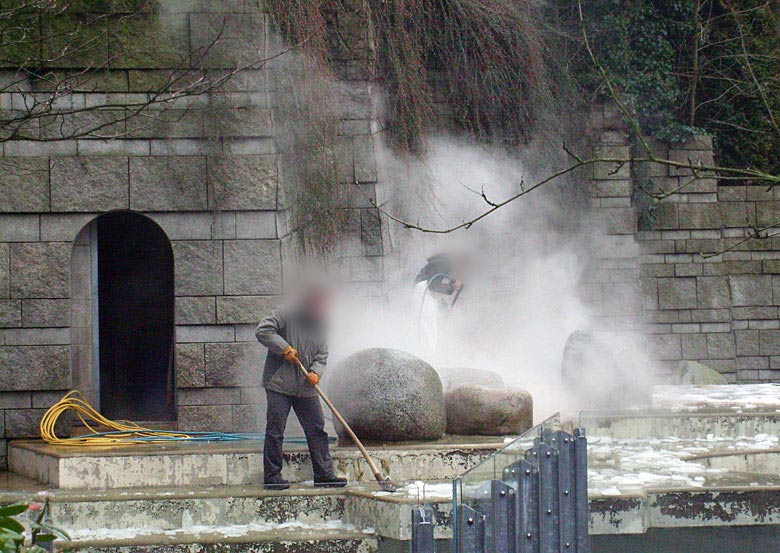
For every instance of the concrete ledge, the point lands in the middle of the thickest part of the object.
(218, 464)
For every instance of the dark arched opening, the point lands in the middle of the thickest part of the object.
(135, 318)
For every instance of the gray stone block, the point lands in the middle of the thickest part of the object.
(168, 183)
(693, 159)
(23, 423)
(5, 271)
(19, 228)
(10, 313)
(124, 147)
(371, 232)
(751, 290)
(256, 225)
(677, 293)
(769, 342)
(231, 6)
(205, 333)
(205, 418)
(64, 227)
(665, 347)
(196, 226)
(195, 310)
(364, 159)
(735, 214)
(166, 124)
(159, 40)
(35, 367)
(247, 418)
(198, 267)
(44, 400)
(694, 346)
(40, 270)
(232, 121)
(243, 182)
(611, 188)
(15, 400)
(721, 346)
(84, 183)
(699, 216)
(253, 267)
(747, 342)
(208, 396)
(246, 332)
(710, 315)
(713, 292)
(190, 365)
(238, 364)
(611, 170)
(241, 38)
(37, 336)
(244, 309)
(24, 184)
(45, 313)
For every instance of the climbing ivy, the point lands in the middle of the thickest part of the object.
(693, 66)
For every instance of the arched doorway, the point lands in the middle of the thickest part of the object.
(123, 318)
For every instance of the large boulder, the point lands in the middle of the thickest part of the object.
(607, 370)
(477, 410)
(454, 377)
(388, 395)
(691, 372)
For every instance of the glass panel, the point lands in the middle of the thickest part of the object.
(473, 487)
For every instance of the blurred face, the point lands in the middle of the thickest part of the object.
(316, 304)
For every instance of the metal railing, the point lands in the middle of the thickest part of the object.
(529, 497)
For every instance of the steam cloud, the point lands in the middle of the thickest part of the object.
(521, 299)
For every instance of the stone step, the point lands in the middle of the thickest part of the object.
(686, 426)
(333, 538)
(232, 464)
(389, 515)
(175, 508)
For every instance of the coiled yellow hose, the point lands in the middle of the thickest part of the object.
(122, 432)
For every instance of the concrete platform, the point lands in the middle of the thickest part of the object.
(700, 458)
(231, 463)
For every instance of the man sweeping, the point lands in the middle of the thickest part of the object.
(291, 333)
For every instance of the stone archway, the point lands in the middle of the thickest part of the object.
(123, 317)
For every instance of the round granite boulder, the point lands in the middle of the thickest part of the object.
(477, 410)
(454, 377)
(388, 395)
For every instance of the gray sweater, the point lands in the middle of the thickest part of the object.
(284, 327)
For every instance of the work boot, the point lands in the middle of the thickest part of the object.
(279, 484)
(330, 482)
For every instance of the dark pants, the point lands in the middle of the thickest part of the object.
(309, 413)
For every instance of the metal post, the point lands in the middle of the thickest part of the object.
(524, 476)
(422, 531)
(501, 524)
(548, 499)
(472, 530)
(567, 494)
(581, 486)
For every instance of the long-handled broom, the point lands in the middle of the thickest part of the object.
(384, 481)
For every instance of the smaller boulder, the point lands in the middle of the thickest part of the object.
(478, 410)
(454, 377)
(691, 372)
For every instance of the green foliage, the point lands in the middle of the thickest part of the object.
(12, 532)
(694, 66)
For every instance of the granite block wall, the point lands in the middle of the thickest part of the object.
(206, 170)
(689, 277)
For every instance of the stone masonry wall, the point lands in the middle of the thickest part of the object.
(208, 175)
(721, 310)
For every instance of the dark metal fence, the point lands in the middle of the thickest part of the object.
(530, 497)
